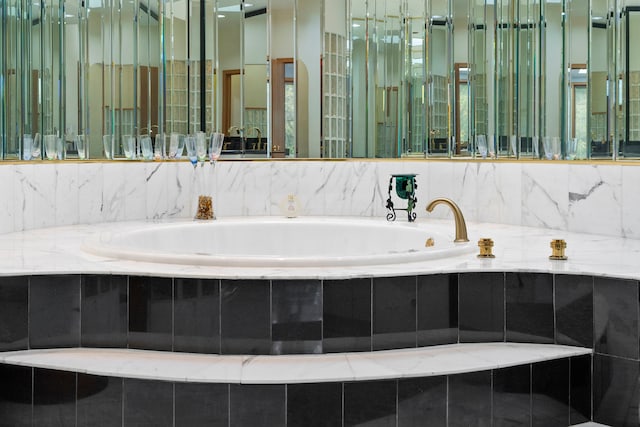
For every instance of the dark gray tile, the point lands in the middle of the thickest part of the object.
(257, 406)
(346, 315)
(437, 309)
(370, 403)
(512, 396)
(246, 316)
(616, 317)
(54, 398)
(104, 311)
(314, 405)
(200, 405)
(394, 312)
(14, 313)
(550, 393)
(54, 311)
(296, 316)
(574, 310)
(529, 305)
(196, 308)
(15, 396)
(481, 309)
(150, 313)
(422, 402)
(615, 391)
(99, 401)
(581, 389)
(148, 403)
(470, 400)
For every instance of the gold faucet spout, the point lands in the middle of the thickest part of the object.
(461, 226)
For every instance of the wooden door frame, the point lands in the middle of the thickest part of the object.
(226, 97)
(278, 83)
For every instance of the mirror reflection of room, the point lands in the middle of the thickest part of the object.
(525, 79)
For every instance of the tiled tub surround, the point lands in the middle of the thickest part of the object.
(592, 198)
(553, 392)
(519, 296)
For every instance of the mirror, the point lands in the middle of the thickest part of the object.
(599, 84)
(329, 78)
(577, 84)
(254, 84)
(631, 82)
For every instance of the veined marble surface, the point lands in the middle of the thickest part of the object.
(57, 250)
(389, 364)
(585, 198)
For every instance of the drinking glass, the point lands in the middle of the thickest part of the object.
(107, 144)
(572, 148)
(51, 147)
(514, 145)
(81, 146)
(146, 147)
(176, 146)
(129, 146)
(201, 146)
(551, 147)
(217, 140)
(160, 147)
(481, 143)
(192, 154)
(27, 147)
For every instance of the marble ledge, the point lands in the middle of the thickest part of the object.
(58, 250)
(291, 369)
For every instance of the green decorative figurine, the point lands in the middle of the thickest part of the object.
(405, 189)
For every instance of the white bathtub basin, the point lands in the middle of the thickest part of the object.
(278, 242)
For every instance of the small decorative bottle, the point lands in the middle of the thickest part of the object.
(291, 206)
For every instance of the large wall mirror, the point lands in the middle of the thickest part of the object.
(128, 79)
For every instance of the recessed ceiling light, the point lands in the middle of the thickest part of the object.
(248, 5)
(221, 16)
(356, 25)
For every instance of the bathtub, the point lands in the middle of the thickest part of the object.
(278, 242)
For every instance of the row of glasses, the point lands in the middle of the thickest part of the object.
(199, 148)
(32, 148)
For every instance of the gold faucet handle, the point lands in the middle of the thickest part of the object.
(557, 249)
(486, 247)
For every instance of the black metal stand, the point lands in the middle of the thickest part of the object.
(405, 189)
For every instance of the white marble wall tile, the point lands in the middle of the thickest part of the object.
(67, 205)
(499, 192)
(40, 203)
(304, 180)
(352, 188)
(630, 202)
(7, 206)
(156, 180)
(180, 193)
(545, 195)
(90, 188)
(592, 198)
(595, 199)
(135, 190)
(440, 184)
(464, 189)
(114, 192)
(242, 188)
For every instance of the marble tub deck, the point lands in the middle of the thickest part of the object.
(518, 249)
(292, 369)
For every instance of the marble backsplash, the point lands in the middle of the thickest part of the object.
(593, 198)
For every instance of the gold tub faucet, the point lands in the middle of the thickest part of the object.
(461, 226)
